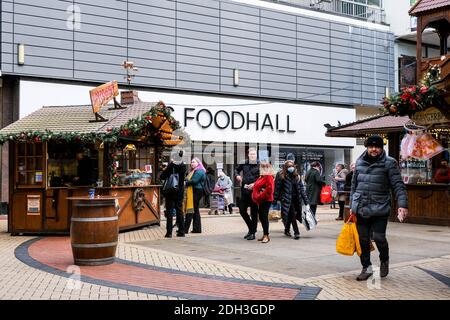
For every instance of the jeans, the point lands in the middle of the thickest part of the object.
(173, 203)
(365, 227)
(197, 223)
(263, 211)
(246, 201)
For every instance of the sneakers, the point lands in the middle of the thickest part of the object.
(287, 233)
(365, 274)
(384, 268)
(247, 235)
(168, 235)
(296, 236)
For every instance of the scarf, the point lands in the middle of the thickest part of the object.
(189, 196)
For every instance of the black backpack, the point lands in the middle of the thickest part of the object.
(171, 185)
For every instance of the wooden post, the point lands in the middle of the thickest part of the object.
(419, 49)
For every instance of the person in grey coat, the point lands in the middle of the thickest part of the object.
(225, 185)
(376, 174)
(314, 183)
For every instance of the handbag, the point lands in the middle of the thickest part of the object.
(171, 185)
(325, 195)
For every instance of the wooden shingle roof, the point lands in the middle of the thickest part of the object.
(377, 124)
(422, 6)
(62, 119)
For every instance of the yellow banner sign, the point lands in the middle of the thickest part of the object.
(101, 95)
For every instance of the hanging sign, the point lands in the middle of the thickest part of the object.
(101, 95)
(429, 116)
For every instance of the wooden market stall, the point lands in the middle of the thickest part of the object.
(417, 123)
(61, 152)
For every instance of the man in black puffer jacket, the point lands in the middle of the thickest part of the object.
(247, 174)
(376, 174)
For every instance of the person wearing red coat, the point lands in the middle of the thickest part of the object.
(442, 174)
(262, 195)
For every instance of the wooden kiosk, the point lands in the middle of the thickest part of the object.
(429, 200)
(61, 152)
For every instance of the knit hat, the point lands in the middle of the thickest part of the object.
(375, 141)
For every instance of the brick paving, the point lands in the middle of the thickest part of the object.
(422, 278)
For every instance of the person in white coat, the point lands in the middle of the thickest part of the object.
(225, 184)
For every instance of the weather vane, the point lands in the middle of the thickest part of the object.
(129, 66)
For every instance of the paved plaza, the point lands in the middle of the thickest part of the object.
(220, 264)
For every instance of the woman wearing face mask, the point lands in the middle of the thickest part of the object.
(194, 192)
(225, 185)
(289, 189)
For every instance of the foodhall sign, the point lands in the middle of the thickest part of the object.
(236, 120)
(101, 95)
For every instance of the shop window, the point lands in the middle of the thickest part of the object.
(29, 164)
(136, 165)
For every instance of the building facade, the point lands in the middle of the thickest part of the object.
(302, 60)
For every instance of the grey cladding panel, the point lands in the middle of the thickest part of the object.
(239, 25)
(238, 57)
(163, 4)
(251, 68)
(270, 77)
(197, 60)
(151, 10)
(268, 92)
(208, 8)
(240, 34)
(279, 63)
(312, 23)
(325, 32)
(151, 37)
(201, 44)
(197, 52)
(245, 51)
(144, 18)
(239, 17)
(162, 48)
(153, 28)
(246, 10)
(182, 84)
(281, 17)
(44, 42)
(240, 42)
(207, 28)
(96, 39)
(284, 33)
(194, 17)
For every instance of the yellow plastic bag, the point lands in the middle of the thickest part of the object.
(345, 243)
(355, 234)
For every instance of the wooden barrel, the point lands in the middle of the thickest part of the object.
(94, 232)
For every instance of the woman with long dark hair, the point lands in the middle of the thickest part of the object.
(290, 191)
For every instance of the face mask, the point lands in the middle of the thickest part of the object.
(291, 169)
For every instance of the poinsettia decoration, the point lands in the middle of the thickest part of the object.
(415, 98)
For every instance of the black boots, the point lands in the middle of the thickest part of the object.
(384, 268)
(251, 236)
(365, 274)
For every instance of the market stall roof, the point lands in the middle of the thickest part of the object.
(422, 6)
(62, 119)
(374, 125)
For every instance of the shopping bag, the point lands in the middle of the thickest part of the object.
(325, 195)
(352, 218)
(308, 219)
(345, 243)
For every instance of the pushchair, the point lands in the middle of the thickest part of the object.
(217, 203)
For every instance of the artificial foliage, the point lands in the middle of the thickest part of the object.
(415, 98)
